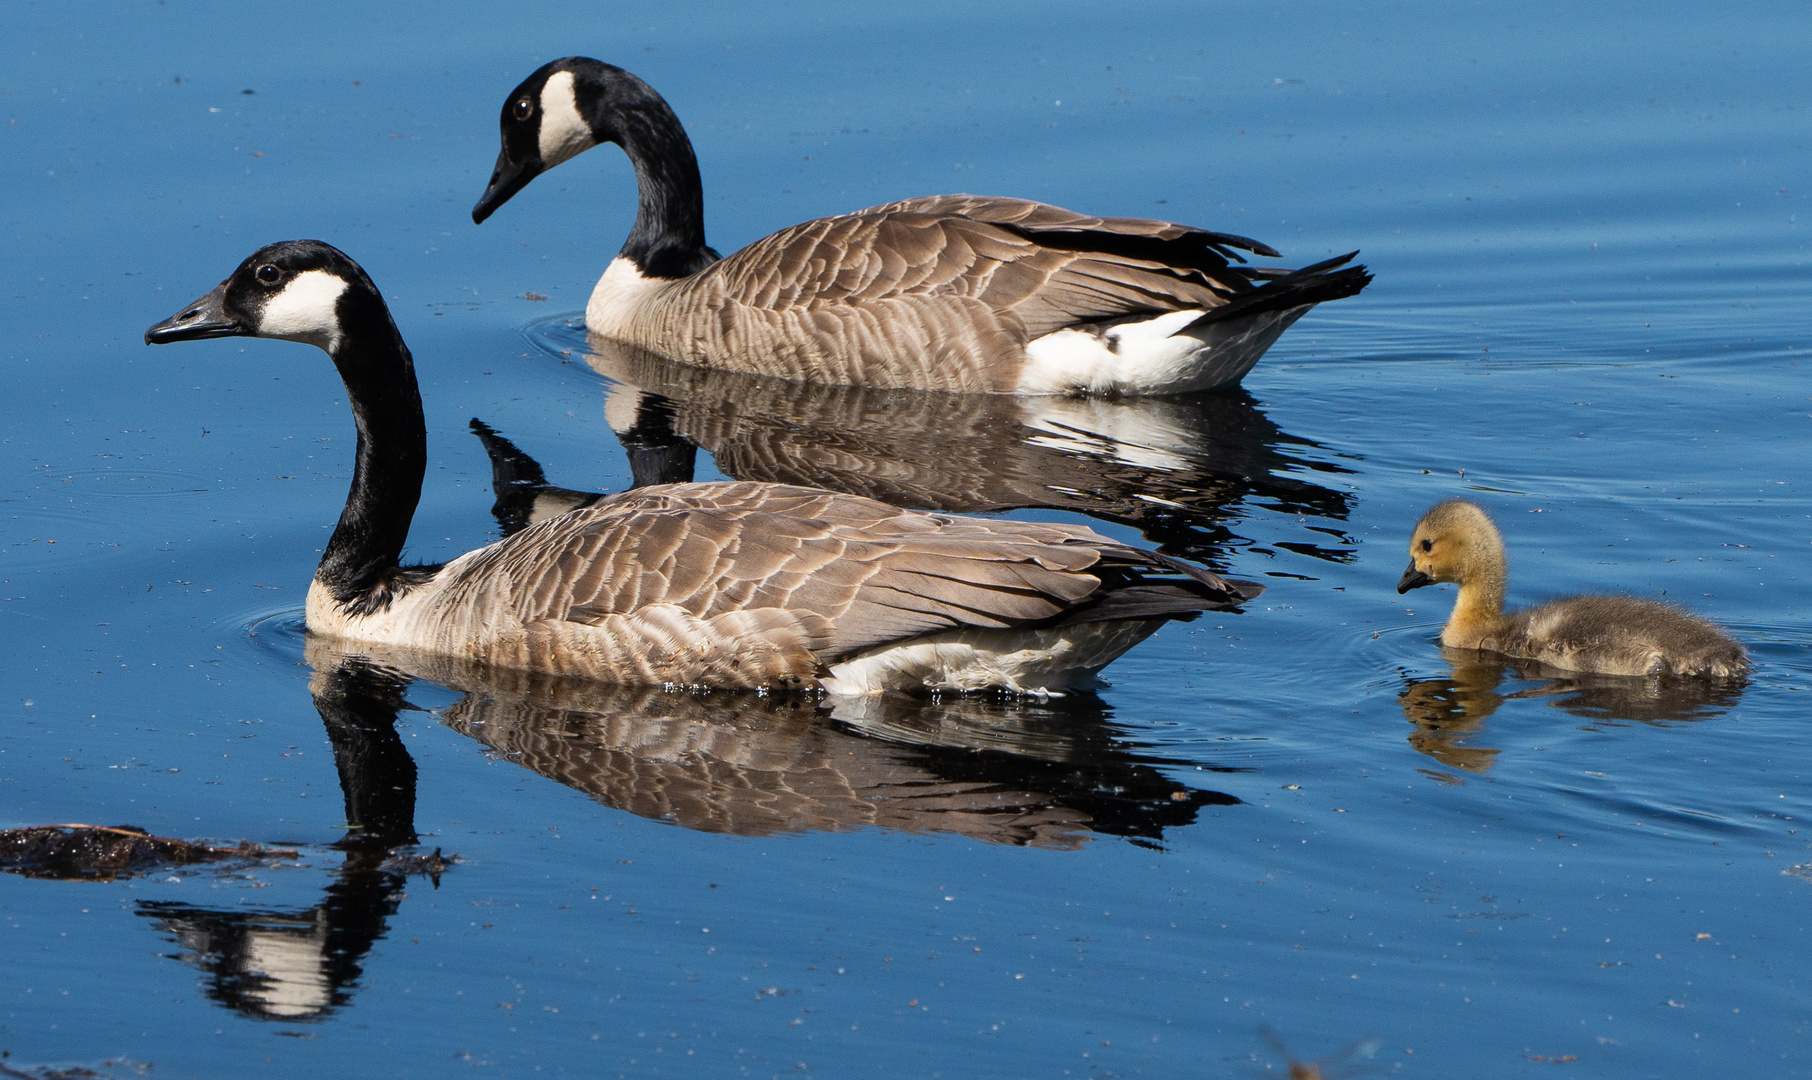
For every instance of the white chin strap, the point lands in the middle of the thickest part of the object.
(564, 132)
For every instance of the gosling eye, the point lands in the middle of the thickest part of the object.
(524, 109)
(1428, 545)
(268, 274)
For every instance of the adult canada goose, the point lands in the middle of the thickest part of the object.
(728, 584)
(1612, 635)
(953, 292)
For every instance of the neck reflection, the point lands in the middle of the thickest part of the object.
(293, 966)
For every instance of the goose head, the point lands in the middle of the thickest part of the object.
(1455, 541)
(544, 123)
(296, 290)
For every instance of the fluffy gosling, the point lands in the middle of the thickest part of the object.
(1613, 635)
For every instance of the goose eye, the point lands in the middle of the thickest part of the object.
(1428, 545)
(268, 274)
(524, 109)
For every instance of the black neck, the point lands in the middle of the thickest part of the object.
(362, 557)
(668, 239)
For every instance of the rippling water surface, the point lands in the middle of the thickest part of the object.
(1590, 315)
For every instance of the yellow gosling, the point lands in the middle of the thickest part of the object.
(1613, 635)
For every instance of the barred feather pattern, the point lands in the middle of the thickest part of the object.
(750, 584)
(945, 293)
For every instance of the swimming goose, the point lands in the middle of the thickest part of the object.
(1613, 635)
(952, 292)
(725, 584)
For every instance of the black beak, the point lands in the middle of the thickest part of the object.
(1412, 579)
(205, 318)
(507, 179)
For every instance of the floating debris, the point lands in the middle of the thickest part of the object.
(116, 1067)
(76, 852)
(433, 866)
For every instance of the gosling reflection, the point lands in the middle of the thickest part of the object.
(300, 965)
(1177, 469)
(1449, 713)
(1042, 774)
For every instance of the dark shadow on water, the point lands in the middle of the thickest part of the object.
(1181, 470)
(298, 965)
(1448, 714)
(1000, 770)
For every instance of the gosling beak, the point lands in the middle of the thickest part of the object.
(205, 318)
(1412, 579)
(507, 178)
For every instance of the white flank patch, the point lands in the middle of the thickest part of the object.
(306, 310)
(564, 132)
(1132, 358)
(1044, 662)
(616, 305)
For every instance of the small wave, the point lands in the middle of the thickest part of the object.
(560, 336)
(134, 483)
(282, 631)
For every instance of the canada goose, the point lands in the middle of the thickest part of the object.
(952, 292)
(1611, 635)
(728, 584)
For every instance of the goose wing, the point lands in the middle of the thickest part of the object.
(1039, 266)
(871, 572)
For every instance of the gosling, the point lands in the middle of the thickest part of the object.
(1612, 635)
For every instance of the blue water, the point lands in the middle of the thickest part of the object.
(1590, 315)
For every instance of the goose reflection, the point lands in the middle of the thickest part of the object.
(1449, 713)
(1007, 771)
(1177, 469)
(290, 965)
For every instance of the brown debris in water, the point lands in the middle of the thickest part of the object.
(432, 866)
(77, 852)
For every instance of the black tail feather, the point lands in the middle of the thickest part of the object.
(1296, 288)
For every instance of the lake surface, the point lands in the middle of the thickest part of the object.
(1590, 315)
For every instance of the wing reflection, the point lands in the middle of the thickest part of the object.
(1044, 774)
(1177, 469)
(1449, 713)
(299, 965)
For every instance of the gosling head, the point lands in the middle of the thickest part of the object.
(543, 124)
(1455, 541)
(297, 290)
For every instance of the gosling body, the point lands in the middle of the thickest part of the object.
(1456, 541)
(960, 293)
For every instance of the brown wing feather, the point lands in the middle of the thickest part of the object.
(1005, 252)
(983, 276)
(848, 572)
